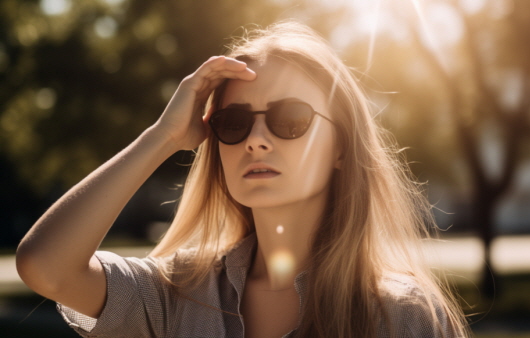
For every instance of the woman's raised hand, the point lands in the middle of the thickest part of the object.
(183, 119)
(56, 257)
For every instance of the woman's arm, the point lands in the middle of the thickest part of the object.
(56, 257)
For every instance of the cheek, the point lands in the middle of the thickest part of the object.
(317, 161)
(225, 157)
(228, 162)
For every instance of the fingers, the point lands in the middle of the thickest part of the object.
(214, 71)
(219, 67)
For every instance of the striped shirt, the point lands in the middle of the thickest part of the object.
(141, 304)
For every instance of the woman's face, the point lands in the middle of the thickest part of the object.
(265, 171)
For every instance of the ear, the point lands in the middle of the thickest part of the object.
(339, 153)
(338, 162)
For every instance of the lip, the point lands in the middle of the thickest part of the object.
(269, 173)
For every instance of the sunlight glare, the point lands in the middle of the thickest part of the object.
(472, 6)
(439, 27)
(55, 7)
(308, 148)
(282, 263)
(377, 10)
(446, 23)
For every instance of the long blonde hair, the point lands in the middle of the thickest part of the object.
(376, 216)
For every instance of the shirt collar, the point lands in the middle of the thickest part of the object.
(241, 255)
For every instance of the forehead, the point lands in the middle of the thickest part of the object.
(276, 80)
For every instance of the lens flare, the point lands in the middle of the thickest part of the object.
(282, 263)
(373, 33)
(279, 229)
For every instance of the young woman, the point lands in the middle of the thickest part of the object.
(296, 219)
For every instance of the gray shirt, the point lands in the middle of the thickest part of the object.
(141, 304)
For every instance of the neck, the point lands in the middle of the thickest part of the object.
(284, 237)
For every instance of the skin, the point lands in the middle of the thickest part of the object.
(294, 197)
(56, 257)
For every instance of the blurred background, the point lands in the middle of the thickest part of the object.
(450, 79)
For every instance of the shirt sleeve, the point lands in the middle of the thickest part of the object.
(136, 304)
(408, 314)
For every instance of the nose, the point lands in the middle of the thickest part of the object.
(259, 139)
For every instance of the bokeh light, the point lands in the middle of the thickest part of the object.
(55, 7)
(114, 2)
(105, 27)
(166, 44)
(168, 88)
(45, 98)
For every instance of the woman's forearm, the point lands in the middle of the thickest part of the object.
(56, 257)
(65, 238)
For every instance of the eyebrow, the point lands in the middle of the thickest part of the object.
(248, 106)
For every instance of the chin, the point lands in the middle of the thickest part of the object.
(270, 202)
(261, 201)
(261, 204)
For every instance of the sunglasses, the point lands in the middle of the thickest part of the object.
(286, 120)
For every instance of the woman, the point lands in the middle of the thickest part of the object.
(295, 220)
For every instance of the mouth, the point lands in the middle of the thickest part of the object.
(261, 173)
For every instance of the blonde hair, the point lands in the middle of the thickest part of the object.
(376, 215)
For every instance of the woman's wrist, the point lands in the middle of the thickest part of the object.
(164, 144)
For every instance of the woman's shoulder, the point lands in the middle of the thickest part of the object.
(161, 273)
(400, 287)
(113, 261)
(146, 264)
(413, 310)
(404, 291)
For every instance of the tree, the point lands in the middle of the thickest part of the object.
(81, 81)
(478, 84)
(486, 109)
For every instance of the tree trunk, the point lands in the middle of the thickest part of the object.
(483, 218)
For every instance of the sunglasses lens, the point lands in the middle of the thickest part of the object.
(231, 125)
(290, 120)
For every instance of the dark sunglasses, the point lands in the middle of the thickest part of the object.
(286, 120)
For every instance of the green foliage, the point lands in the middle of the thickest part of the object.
(77, 86)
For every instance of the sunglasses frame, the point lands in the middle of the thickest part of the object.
(265, 112)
